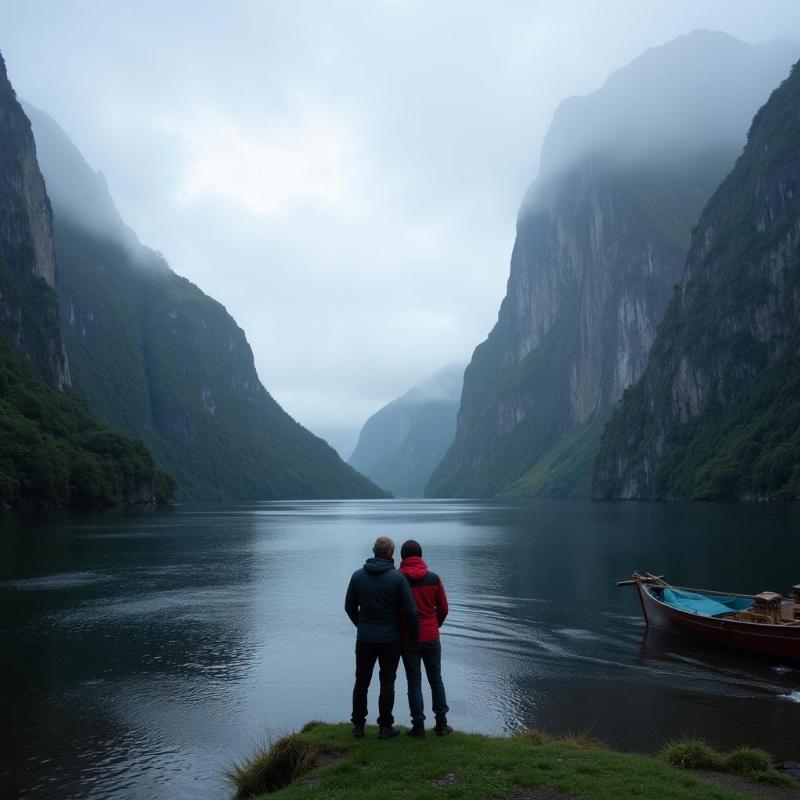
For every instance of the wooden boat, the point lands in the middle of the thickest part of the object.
(765, 624)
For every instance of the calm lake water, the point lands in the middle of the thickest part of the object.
(139, 653)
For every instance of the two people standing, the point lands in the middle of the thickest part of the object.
(398, 614)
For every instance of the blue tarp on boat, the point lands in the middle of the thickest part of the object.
(696, 603)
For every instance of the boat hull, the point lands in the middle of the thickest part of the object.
(776, 641)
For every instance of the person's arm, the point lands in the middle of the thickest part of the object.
(409, 609)
(441, 603)
(351, 602)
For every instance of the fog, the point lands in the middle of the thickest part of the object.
(343, 177)
(697, 93)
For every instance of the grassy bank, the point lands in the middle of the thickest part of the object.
(324, 761)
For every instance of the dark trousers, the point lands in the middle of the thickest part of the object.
(387, 654)
(429, 654)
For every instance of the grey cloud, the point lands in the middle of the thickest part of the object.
(391, 259)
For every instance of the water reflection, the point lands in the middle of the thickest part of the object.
(141, 652)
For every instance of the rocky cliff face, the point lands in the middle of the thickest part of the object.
(161, 360)
(717, 410)
(28, 304)
(400, 445)
(601, 240)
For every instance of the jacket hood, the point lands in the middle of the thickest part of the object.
(375, 566)
(414, 567)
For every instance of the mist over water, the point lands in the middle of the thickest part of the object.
(154, 648)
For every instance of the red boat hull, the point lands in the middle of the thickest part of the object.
(777, 641)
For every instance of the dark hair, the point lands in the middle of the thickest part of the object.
(410, 548)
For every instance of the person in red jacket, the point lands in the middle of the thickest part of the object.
(428, 591)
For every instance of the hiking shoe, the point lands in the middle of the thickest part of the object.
(388, 732)
(358, 730)
(417, 731)
(442, 728)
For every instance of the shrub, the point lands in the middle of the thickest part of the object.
(272, 768)
(692, 754)
(746, 761)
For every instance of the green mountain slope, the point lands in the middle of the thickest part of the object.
(717, 411)
(52, 452)
(601, 241)
(159, 359)
(401, 444)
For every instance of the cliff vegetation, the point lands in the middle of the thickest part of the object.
(717, 412)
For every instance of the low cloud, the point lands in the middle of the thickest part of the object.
(343, 176)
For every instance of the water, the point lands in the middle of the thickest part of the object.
(140, 653)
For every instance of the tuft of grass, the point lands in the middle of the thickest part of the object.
(584, 740)
(746, 761)
(534, 736)
(309, 726)
(692, 754)
(272, 768)
(773, 778)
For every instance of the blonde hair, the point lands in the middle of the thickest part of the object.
(383, 545)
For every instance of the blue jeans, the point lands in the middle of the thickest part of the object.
(429, 654)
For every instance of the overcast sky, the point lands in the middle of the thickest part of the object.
(343, 177)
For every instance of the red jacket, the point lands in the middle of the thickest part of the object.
(428, 591)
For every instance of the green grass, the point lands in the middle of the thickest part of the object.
(747, 762)
(476, 767)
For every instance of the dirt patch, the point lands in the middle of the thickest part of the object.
(748, 787)
(451, 779)
(328, 757)
(323, 759)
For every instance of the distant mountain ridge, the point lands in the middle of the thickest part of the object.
(159, 359)
(716, 414)
(400, 445)
(602, 235)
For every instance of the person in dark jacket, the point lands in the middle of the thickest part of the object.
(376, 598)
(431, 600)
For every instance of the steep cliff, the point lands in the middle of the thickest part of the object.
(28, 303)
(601, 240)
(52, 451)
(400, 445)
(717, 411)
(161, 360)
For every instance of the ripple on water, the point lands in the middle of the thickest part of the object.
(62, 580)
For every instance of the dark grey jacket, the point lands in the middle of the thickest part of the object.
(376, 597)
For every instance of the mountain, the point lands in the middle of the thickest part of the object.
(400, 445)
(717, 412)
(52, 451)
(602, 235)
(159, 359)
(28, 302)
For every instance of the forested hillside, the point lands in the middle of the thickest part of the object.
(161, 360)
